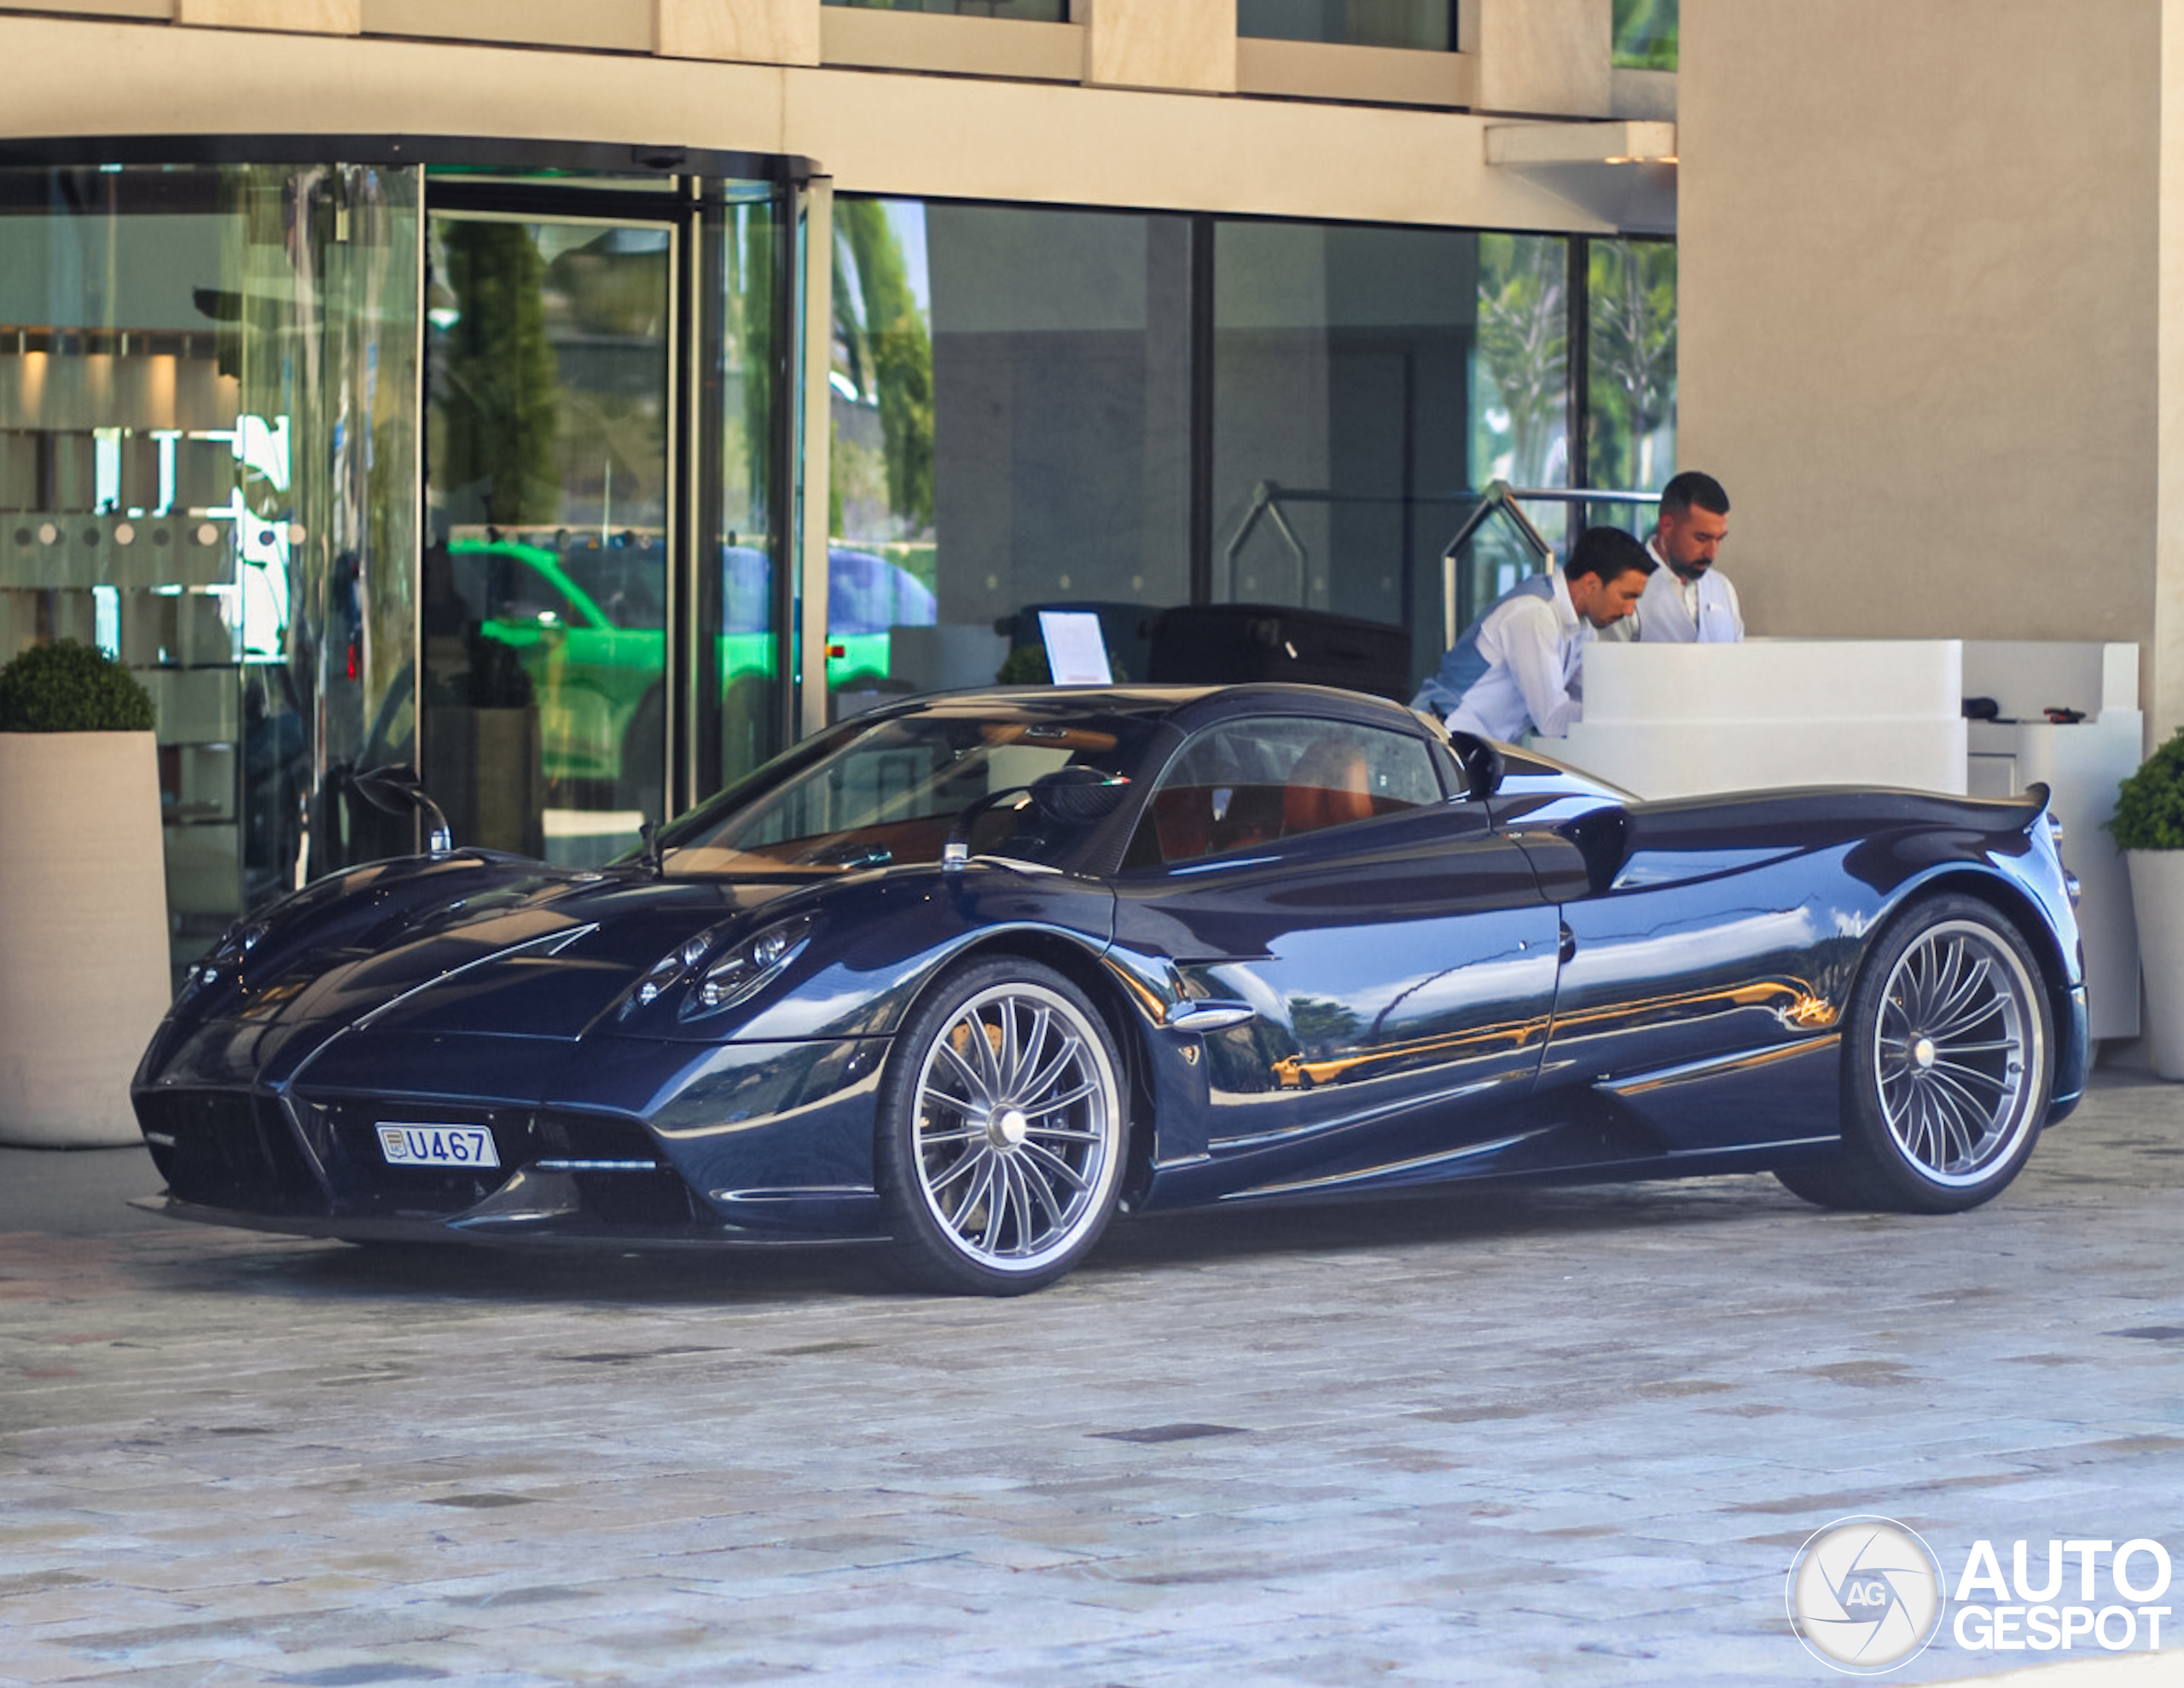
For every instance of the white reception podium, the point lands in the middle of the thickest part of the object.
(1668, 721)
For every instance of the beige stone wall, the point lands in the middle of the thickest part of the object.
(2163, 668)
(1921, 308)
(958, 136)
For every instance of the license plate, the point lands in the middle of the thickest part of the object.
(436, 1145)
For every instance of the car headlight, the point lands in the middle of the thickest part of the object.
(237, 941)
(739, 972)
(731, 977)
(664, 973)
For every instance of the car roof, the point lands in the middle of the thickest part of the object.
(1187, 707)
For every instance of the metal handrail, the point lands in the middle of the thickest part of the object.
(1502, 498)
(1268, 496)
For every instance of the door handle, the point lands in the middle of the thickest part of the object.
(1208, 1013)
(1569, 947)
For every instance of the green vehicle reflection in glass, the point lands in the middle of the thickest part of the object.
(587, 619)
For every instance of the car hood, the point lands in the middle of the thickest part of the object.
(512, 948)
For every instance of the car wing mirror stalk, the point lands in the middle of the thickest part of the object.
(395, 788)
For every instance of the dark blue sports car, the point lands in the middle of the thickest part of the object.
(966, 975)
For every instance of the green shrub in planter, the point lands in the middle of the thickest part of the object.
(2150, 806)
(68, 688)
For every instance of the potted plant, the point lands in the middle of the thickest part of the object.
(2148, 825)
(84, 975)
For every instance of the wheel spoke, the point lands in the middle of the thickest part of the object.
(1033, 1090)
(1008, 1053)
(1036, 1194)
(1936, 1137)
(1965, 1008)
(973, 1162)
(1949, 1087)
(982, 1095)
(988, 1035)
(1052, 1167)
(1053, 1104)
(993, 1204)
(1029, 1231)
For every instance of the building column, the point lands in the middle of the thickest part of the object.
(1545, 58)
(1184, 45)
(2161, 685)
(753, 31)
(295, 17)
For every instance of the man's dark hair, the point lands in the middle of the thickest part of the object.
(1607, 552)
(1691, 488)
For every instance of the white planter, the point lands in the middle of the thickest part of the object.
(84, 972)
(2158, 900)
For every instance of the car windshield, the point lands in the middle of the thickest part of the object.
(889, 791)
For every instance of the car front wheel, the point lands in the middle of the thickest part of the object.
(1947, 1065)
(1001, 1131)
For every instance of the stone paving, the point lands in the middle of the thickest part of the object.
(1538, 1436)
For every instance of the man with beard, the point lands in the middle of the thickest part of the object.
(1688, 601)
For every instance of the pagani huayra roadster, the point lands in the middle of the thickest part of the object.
(967, 975)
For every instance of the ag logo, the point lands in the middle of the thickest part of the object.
(1865, 1595)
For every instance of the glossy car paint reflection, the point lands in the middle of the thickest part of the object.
(1551, 981)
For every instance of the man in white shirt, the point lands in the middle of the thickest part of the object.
(1516, 668)
(1688, 602)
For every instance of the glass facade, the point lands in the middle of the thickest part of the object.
(1116, 414)
(1342, 415)
(556, 515)
(1012, 430)
(1425, 25)
(208, 449)
(350, 476)
(1631, 318)
(547, 484)
(490, 471)
(1646, 34)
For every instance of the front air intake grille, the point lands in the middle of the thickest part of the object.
(620, 1176)
(368, 1183)
(227, 1149)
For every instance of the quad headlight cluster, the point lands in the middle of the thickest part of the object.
(718, 979)
(237, 941)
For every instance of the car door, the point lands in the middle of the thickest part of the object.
(1395, 953)
(1704, 976)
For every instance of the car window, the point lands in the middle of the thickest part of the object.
(1262, 778)
(890, 790)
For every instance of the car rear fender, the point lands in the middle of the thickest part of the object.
(2062, 974)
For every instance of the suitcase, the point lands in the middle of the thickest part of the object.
(1224, 644)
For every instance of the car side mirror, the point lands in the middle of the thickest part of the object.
(1481, 763)
(1079, 793)
(393, 788)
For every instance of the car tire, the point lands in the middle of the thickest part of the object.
(1824, 1184)
(1947, 1066)
(1001, 1131)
